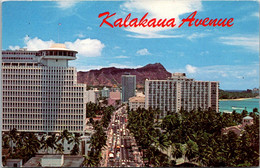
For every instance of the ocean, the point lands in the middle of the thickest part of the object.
(238, 105)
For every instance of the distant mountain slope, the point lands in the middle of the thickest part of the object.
(112, 76)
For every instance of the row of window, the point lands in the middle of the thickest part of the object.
(38, 69)
(57, 53)
(185, 83)
(18, 58)
(43, 128)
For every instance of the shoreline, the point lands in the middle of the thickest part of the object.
(239, 99)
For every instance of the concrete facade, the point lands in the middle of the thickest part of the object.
(40, 91)
(93, 95)
(178, 92)
(135, 102)
(113, 97)
(128, 87)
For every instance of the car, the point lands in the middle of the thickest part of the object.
(118, 155)
(122, 146)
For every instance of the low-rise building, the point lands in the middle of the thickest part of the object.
(114, 98)
(105, 92)
(93, 95)
(14, 163)
(237, 129)
(255, 90)
(55, 161)
(137, 102)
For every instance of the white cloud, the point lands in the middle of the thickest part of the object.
(123, 65)
(116, 47)
(190, 69)
(36, 43)
(249, 42)
(245, 72)
(152, 33)
(65, 4)
(159, 10)
(121, 56)
(86, 47)
(14, 47)
(80, 35)
(143, 51)
(85, 67)
(255, 14)
(97, 67)
(196, 35)
(203, 53)
(229, 76)
(181, 54)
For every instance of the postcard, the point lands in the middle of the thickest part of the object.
(130, 83)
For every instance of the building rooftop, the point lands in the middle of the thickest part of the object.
(69, 161)
(236, 129)
(137, 99)
(52, 156)
(58, 46)
(248, 117)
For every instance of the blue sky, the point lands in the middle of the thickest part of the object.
(229, 55)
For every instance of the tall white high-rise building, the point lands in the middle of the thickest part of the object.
(178, 92)
(40, 91)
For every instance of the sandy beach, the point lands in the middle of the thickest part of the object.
(239, 99)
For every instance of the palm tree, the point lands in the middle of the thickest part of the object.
(64, 135)
(76, 141)
(6, 141)
(75, 150)
(13, 137)
(43, 143)
(59, 149)
(88, 161)
(52, 142)
(191, 150)
(31, 145)
(177, 150)
(161, 141)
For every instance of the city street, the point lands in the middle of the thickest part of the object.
(121, 150)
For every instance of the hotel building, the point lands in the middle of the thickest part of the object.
(128, 87)
(93, 95)
(40, 91)
(136, 102)
(178, 92)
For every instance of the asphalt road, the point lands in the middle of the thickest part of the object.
(121, 144)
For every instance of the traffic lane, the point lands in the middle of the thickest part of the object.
(125, 149)
(124, 141)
